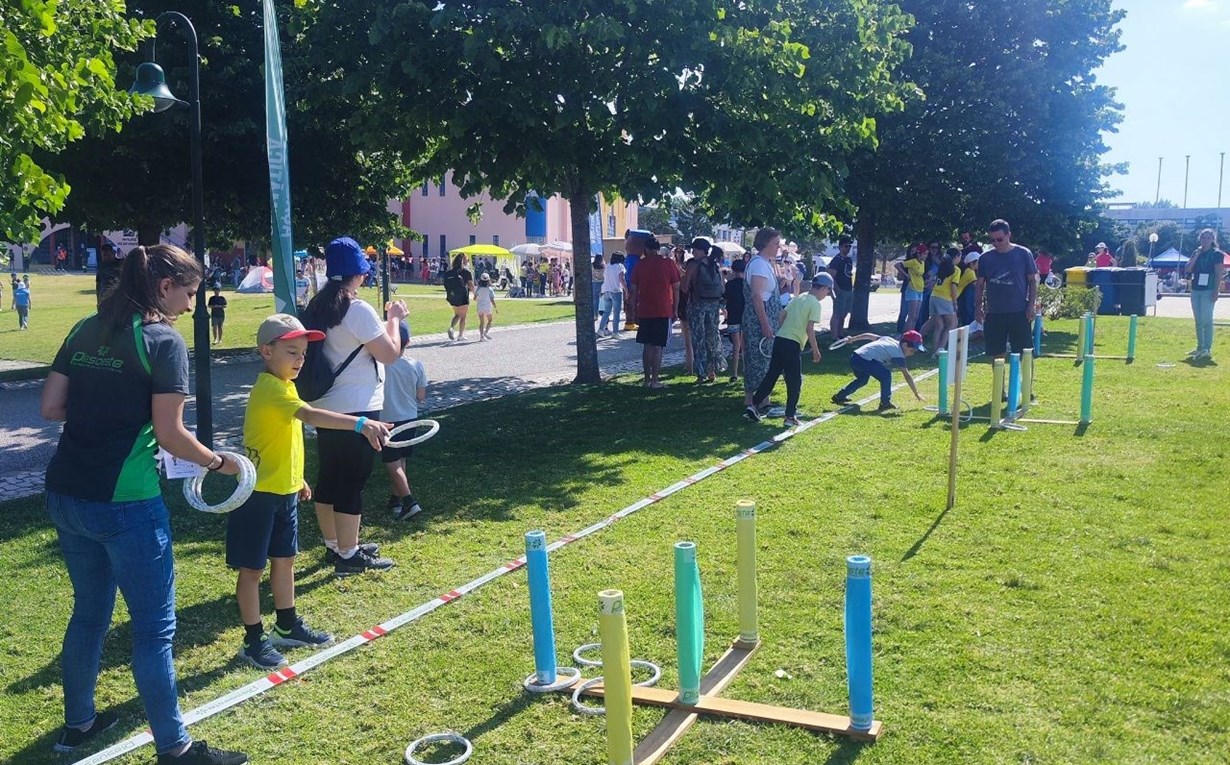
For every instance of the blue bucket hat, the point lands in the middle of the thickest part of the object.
(344, 257)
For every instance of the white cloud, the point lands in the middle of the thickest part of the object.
(1201, 5)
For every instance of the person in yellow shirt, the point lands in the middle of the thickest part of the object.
(912, 273)
(943, 316)
(265, 529)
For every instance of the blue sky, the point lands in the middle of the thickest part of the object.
(1171, 79)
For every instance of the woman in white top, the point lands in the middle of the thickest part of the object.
(353, 331)
(761, 309)
(614, 289)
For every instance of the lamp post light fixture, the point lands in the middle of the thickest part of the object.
(151, 81)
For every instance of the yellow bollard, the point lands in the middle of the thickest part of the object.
(1027, 379)
(616, 676)
(997, 392)
(745, 557)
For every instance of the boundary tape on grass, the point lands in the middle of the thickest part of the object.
(274, 679)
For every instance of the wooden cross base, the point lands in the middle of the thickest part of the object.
(682, 716)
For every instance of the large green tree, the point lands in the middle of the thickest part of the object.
(753, 104)
(1008, 124)
(141, 179)
(57, 84)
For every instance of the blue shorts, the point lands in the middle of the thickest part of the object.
(913, 295)
(264, 527)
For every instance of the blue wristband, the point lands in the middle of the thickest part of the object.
(358, 426)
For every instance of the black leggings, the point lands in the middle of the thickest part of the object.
(345, 464)
(784, 362)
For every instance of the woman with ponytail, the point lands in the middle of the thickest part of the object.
(119, 383)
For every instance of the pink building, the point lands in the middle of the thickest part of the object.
(438, 211)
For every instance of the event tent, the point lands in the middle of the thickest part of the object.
(259, 279)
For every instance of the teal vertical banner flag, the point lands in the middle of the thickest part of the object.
(283, 264)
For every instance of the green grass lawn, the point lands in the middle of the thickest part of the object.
(60, 301)
(1070, 609)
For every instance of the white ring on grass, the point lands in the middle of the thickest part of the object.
(767, 354)
(432, 429)
(247, 482)
(565, 677)
(440, 738)
(839, 343)
(576, 698)
(655, 672)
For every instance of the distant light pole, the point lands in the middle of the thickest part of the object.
(152, 81)
(1187, 166)
(1152, 241)
(1220, 177)
(1157, 195)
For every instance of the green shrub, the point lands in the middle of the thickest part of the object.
(1068, 302)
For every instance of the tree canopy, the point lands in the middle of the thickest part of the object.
(57, 84)
(1008, 123)
(752, 105)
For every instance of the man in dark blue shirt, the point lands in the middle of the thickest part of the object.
(1007, 292)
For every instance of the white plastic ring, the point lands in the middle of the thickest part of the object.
(247, 482)
(769, 353)
(565, 677)
(839, 343)
(433, 428)
(576, 698)
(655, 672)
(584, 662)
(448, 737)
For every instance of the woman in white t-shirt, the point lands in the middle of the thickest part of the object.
(357, 342)
(761, 309)
(611, 301)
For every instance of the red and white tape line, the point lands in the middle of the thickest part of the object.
(273, 679)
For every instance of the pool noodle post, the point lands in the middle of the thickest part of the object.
(1081, 332)
(616, 676)
(858, 641)
(943, 375)
(1038, 334)
(540, 606)
(689, 621)
(1087, 392)
(745, 556)
(1014, 385)
(1131, 351)
(956, 422)
(1027, 378)
(1089, 328)
(997, 391)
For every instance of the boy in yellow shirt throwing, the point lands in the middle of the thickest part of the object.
(265, 529)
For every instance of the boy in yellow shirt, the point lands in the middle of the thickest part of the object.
(265, 529)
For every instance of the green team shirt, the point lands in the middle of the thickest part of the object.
(107, 450)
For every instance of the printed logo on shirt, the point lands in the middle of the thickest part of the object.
(101, 359)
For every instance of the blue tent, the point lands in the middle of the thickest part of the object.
(1171, 258)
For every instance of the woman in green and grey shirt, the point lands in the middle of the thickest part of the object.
(1205, 269)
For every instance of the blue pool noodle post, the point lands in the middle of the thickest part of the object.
(540, 606)
(1038, 334)
(1014, 385)
(858, 641)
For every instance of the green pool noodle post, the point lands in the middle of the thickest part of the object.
(997, 392)
(1027, 378)
(616, 676)
(943, 376)
(1090, 318)
(689, 621)
(745, 557)
(1087, 392)
(1131, 351)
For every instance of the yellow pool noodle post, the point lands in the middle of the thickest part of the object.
(745, 540)
(616, 676)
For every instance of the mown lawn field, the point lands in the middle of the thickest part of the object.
(1071, 608)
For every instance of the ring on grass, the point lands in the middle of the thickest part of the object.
(433, 428)
(839, 343)
(655, 672)
(565, 677)
(576, 698)
(769, 353)
(247, 482)
(448, 737)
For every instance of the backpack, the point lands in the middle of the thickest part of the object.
(708, 284)
(317, 377)
(454, 285)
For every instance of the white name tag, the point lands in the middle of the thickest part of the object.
(175, 468)
(1203, 280)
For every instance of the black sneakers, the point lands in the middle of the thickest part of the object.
(368, 547)
(200, 753)
(840, 399)
(359, 563)
(71, 738)
(751, 414)
(299, 636)
(886, 406)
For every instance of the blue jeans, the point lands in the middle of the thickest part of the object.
(596, 290)
(126, 545)
(864, 369)
(617, 307)
(1202, 307)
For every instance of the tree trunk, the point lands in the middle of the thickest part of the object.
(149, 234)
(865, 233)
(582, 295)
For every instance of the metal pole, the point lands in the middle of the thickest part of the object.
(200, 317)
(1187, 166)
(1157, 195)
(1220, 177)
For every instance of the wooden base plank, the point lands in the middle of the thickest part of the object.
(752, 712)
(672, 727)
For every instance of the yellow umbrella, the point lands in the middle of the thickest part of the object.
(393, 249)
(371, 250)
(482, 249)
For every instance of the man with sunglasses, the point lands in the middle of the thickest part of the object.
(1007, 294)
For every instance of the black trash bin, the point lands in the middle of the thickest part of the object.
(1106, 280)
(1131, 291)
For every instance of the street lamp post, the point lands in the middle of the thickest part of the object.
(151, 81)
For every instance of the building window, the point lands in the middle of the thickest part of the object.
(443, 246)
(441, 187)
(495, 239)
(473, 239)
(426, 188)
(610, 224)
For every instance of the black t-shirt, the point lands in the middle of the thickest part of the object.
(106, 452)
(217, 307)
(734, 301)
(842, 268)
